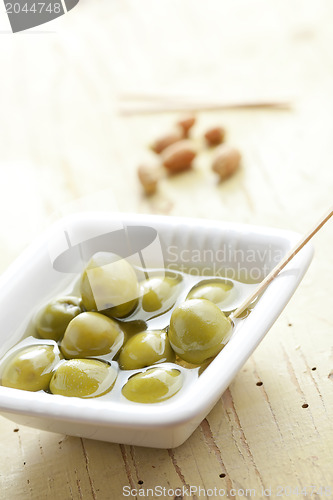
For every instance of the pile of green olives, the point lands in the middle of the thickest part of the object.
(88, 342)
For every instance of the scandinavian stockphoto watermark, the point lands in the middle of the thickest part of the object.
(26, 14)
(247, 264)
(115, 244)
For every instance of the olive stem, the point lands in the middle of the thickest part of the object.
(294, 251)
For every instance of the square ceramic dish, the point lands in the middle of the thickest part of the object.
(53, 262)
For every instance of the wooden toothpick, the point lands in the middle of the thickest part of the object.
(269, 278)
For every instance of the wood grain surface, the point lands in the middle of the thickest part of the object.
(64, 148)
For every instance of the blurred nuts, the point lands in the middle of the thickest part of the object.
(186, 124)
(226, 161)
(178, 156)
(148, 177)
(163, 142)
(215, 136)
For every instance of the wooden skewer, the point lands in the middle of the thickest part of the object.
(152, 106)
(269, 278)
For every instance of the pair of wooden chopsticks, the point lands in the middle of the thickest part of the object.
(146, 103)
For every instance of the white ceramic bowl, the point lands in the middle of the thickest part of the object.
(42, 271)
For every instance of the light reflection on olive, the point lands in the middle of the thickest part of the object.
(53, 319)
(216, 292)
(144, 349)
(30, 368)
(198, 330)
(153, 386)
(91, 334)
(159, 293)
(83, 378)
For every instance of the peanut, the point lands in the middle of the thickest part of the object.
(178, 156)
(166, 140)
(226, 161)
(149, 177)
(215, 136)
(185, 124)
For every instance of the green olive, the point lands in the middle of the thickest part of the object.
(54, 318)
(158, 292)
(216, 292)
(198, 330)
(91, 334)
(83, 378)
(109, 285)
(31, 368)
(144, 349)
(153, 386)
